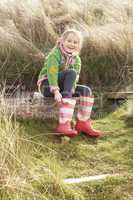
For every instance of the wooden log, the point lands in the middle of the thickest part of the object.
(119, 95)
(28, 106)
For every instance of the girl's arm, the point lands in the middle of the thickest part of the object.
(53, 69)
(50, 69)
(77, 67)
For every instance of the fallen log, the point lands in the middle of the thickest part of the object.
(119, 95)
(31, 106)
(28, 107)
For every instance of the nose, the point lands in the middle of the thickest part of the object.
(72, 44)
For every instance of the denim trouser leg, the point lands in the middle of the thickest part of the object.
(66, 81)
(46, 89)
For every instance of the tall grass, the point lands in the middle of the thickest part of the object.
(33, 163)
(23, 173)
(14, 154)
(31, 27)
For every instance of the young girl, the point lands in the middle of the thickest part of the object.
(59, 76)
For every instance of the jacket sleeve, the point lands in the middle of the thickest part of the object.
(53, 68)
(77, 67)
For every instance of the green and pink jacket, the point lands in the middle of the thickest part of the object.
(54, 64)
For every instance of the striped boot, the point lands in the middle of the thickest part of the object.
(84, 123)
(65, 116)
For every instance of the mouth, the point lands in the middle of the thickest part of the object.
(71, 48)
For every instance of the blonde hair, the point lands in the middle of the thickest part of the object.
(73, 31)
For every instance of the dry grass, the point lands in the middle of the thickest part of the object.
(23, 175)
(31, 27)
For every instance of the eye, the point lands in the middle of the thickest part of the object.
(75, 42)
(69, 41)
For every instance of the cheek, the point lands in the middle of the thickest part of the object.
(66, 44)
(77, 46)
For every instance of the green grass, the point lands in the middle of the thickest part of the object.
(85, 156)
(47, 162)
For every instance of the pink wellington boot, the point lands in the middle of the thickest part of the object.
(84, 111)
(65, 116)
(65, 129)
(86, 127)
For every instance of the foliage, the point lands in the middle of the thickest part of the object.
(31, 27)
(34, 162)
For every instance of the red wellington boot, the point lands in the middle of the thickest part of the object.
(86, 127)
(65, 117)
(64, 129)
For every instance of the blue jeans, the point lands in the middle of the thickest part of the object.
(66, 81)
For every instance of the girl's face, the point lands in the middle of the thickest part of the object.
(71, 43)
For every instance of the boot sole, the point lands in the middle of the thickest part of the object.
(96, 136)
(65, 135)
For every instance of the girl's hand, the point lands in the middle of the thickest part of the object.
(57, 96)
